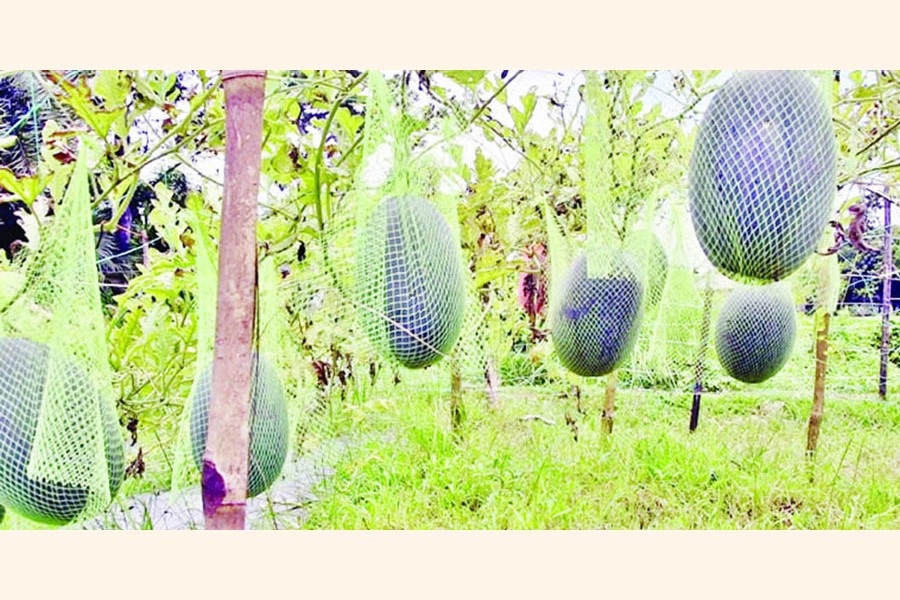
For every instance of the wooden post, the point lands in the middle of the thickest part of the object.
(492, 382)
(699, 365)
(225, 463)
(456, 408)
(886, 304)
(609, 403)
(818, 408)
(825, 300)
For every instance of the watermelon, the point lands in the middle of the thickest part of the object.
(24, 365)
(763, 174)
(411, 280)
(596, 320)
(269, 428)
(755, 332)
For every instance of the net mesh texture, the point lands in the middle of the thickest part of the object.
(755, 331)
(598, 286)
(763, 174)
(270, 415)
(61, 449)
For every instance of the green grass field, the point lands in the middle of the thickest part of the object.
(745, 466)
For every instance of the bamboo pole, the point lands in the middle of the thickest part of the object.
(456, 407)
(818, 407)
(886, 305)
(826, 299)
(225, 463)
(492, 382)
(609, 403)
(699, 365)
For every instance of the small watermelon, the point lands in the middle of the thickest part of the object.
(596, 320)
(24, 365)
(269, 427)
(763, 174)
(411, 282)
(755, 332)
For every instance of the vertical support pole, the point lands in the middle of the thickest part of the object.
(456, 408)
(609, 403)
(818, 408)
(886, 304)
(225, 463)
(826, 299)
(700, 364)
(492, 382)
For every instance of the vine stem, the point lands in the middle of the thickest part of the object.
(326, 128)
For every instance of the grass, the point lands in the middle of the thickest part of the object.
(745, 467)
(540, 461)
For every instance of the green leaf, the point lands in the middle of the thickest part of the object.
(467, 78)
(349, 122)
(112, 87)
(282, 162)
(292, 111)
(98, 119)
(522, 117)
(26, 188)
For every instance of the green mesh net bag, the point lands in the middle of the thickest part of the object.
(755, 331)
(269, 414)
(411, 282)
(763, 174)
(268, 424)
(667, 347)
(596, 319)
(645, 246)
(61, 449)
(410, 289)
(597, 287)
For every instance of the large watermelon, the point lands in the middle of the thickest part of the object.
(763, 174)
(411, 282)
(23, 375)
(755, 332)
(596, 320)
(269, 429)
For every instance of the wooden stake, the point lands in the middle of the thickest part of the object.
(818, 407)
(609, 403)
(826, 303)
(456, 410)
(886, 305)
(699, 365)
(492, 382)
(225, 463)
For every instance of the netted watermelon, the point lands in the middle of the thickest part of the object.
(755, 332)
(269, 429)
(410, 282)
(596, 320)
(763, 174)
(25, 368)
